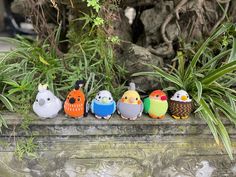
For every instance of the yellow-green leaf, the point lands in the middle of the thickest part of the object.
(43, 60)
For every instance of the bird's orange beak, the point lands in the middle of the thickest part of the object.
(184, 98)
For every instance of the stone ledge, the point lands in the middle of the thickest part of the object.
(143, 148)
(15, 119)
(117, 127)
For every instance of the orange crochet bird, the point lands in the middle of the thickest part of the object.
(75, 105)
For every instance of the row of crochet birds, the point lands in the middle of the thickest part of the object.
(129, 107)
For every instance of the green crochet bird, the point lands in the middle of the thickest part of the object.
(156, 104)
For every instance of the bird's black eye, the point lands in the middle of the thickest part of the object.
(126, 98)
(137, 99)
(156, 95)
(109, 98)
(177, 96)
(36, 100)
(48, 99)
(99, 97)
(78, 99)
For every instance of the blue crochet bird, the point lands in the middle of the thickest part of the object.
(103, 106)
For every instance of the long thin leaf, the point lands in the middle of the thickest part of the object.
(221, 103)
(210, 124)
(6, 102)
(164, 74)
(227, 115)
(216, 129)
(222, 29)
(199, 90)
(225, 138)
(215, 59)
(181, 63)
(3, 123)
(233, 51)
(208, 111)
(219, 72)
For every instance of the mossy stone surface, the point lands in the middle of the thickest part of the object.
(116, 148)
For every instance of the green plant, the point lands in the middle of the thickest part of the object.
(26, 147)
(89, 57)
(4, 101)
(208, 78)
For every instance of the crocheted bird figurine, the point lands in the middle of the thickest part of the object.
(180, 105)
(156, 104)
(76, 105)
(46, 104)
(103, 105)
(130, 105)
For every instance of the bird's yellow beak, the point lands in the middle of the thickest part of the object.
(105, 100)
(184, 98)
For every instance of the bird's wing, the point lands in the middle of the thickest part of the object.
(141, 109)
(91, 106)
(118, 106)
(146, 105)
(86, 108)
(114, 106)
(59, 102)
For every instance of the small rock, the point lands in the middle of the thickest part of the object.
(206, 170)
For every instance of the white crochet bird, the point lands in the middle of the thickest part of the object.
(46, 104)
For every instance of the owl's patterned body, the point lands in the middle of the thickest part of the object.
(180, 109)
(180, 105)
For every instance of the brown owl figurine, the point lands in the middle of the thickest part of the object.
(180, 105)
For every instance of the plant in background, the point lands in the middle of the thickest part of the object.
(4, 101)
(210, 80)
(89, 57)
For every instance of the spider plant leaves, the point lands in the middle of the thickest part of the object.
(233, 51)
(41, 59)
(227, 108)
(225, 138)
(222, 29)
(207, 111)
(208, 79)
(217, 128)
(160, 72)
(199, 90)
(210, 124)
(3, 123)
(181, 62)
(6, 102)
(219, 72)
(232, 102)
(215, 59)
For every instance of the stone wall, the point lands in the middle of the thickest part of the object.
(117, 148)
